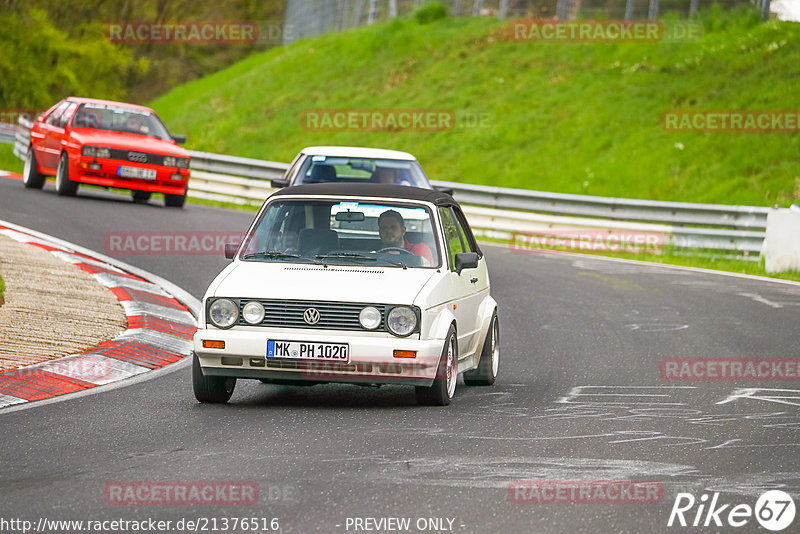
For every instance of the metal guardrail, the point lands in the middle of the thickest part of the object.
(504, 213)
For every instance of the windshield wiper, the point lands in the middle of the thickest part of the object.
(355, 255)
(275, 254)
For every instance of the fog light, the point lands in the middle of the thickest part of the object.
(253, 312)
(405, 354)
(230, 361)
(177, 176)
(95, 166)
(370, 318)
(211, 344)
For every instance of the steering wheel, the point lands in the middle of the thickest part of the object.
(396, 249)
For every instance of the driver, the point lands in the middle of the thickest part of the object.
(392, 229)
(135, 124)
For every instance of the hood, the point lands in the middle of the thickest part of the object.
(340, 283)
(129, 141)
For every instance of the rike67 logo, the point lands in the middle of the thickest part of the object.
(774, 510)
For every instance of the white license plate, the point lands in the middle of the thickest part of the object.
(137, 172)
(300, 350)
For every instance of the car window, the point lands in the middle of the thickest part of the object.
(117, 118)
(464, 232)
(55, 116)
(454, 240)
(318, 168)
(63, 120)
(344, 232)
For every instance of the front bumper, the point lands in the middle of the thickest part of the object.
(166, 180)
(372, 358)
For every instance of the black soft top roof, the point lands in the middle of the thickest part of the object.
(400, 192)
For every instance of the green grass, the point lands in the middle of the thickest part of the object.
(8, 161)
(564, 117)
(2, 290)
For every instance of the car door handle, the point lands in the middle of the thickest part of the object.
(473, 280)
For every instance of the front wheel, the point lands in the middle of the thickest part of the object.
(31, 177)
(444, 386)
(486, 372)
(64, 186)
(174, 201)
(210, 389)
(140, 197)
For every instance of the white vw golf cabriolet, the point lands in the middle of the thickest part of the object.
(354, 283)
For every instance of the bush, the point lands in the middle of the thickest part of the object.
(430, 12)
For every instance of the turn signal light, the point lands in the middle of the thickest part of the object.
(210, 344)
(405, 354)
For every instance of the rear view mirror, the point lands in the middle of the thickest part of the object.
(179, 139)
(230, 250)
(279, 182)
(350, 216)
(466, 260)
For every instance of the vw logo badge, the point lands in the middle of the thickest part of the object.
(311, 316)
(139, 157)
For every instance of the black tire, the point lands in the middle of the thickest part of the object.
(140, 197)
(31, 177)
(175, 201)
(64, 186)
(486, 372)
(444, 385)
(210, 389)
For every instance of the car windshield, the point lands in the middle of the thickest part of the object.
(119, 119)
(345, 233)
(316, 169)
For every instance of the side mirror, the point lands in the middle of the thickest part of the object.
(230, 250)
(279, 182)
(466, 260)
(179, 139)
(443, 189)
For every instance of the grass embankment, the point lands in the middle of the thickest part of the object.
(565, 117)
(8, 161)
(2, 291)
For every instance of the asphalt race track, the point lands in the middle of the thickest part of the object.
(580, 396)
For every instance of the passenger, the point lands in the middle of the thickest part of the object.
(385, 175)
(392, 229)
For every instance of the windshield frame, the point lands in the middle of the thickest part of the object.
(431, 211)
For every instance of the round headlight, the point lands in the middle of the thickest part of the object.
(223, 313)
(370, 318)
(401, 321)
(253, 312)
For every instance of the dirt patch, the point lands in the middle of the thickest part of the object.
(52, 308)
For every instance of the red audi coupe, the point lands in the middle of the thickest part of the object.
(110, 144)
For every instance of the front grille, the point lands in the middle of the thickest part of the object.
(332, 315)
(137, 157)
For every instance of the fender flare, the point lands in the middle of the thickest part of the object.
(442, 324)
(486, 310)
